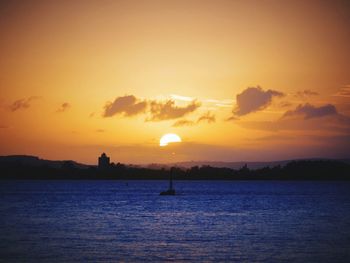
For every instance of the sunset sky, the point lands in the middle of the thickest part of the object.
(236, 80)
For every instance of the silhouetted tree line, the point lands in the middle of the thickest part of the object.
(295, 170)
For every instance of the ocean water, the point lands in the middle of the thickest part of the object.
(208, 221)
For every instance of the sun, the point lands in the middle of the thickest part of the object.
(169, 138)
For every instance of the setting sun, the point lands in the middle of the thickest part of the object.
(169, 138)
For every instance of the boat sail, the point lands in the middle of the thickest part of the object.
(171, 190)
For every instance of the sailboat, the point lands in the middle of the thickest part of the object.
(171, 190)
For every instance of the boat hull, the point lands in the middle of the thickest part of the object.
(168, 192)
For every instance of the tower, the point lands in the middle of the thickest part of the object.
(103, 161)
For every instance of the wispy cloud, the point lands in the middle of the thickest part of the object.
(64, 106)
(182, 98)
(207, 117)
(285, 104)
(22, 104)
(226, 103)
(182, 123)
(306, 93)
(232, 118)
(343, 92)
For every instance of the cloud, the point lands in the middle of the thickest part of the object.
(226, 103)
(309, 111)
(306, 93)
(207, 117)
(181, 123)
(65, 106)
(305, 117)
(254, 99)
(100, 130)
(285, 104)
(127, 105)
(343, 92)
(4, 127)
(22, 103)
(168, 110)
(156, 110)
(232, 118)
(182, 98)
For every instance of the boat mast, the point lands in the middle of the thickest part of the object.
(171, 179)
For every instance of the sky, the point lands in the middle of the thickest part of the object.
(242, 80)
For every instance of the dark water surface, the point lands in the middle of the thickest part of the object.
(108, 221)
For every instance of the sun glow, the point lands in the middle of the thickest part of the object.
(169, 138)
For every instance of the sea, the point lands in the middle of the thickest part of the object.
(206, 221)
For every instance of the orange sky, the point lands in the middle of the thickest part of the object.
(237, 80)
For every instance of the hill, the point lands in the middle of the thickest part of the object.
(34, 161)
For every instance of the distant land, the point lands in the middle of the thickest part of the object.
(237, 165)
(24, 167)
(36, 161)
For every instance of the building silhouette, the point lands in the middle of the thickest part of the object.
(103, 161)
